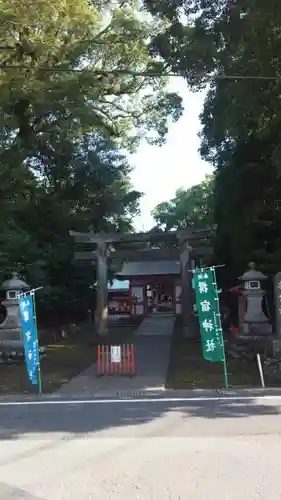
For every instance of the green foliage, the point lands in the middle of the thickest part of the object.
(71, 67)
(93, 190)
(248, 211)
(234, 47)
(191, 206)
(78, 84)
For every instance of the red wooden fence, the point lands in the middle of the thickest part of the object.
(116, 359)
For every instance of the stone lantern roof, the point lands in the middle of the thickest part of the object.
(252, 274)
(14, 283)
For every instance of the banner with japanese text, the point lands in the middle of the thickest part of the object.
(207, 304)
(30, 338)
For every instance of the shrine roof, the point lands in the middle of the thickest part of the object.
(150, 268)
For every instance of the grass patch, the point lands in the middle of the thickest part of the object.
(65, 359)
(188, 369)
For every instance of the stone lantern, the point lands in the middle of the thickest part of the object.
(255, 321)
(10, 329)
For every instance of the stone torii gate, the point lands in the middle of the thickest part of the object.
(106, 245)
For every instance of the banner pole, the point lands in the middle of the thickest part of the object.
(219, 326)
(225, 370)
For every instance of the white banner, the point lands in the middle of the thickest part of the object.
(115, 353)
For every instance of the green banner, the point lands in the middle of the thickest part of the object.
(207, 303)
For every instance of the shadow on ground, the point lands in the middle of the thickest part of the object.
(82, 418)
(11, 492)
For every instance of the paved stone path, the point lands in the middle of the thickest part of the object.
(156, 325)
(152, 361)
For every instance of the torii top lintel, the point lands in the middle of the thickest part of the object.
(182, 235)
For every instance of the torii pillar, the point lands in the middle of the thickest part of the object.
(187, 294)
(100, 241)
(101, 313)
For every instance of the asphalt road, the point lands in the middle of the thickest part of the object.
(131, 450)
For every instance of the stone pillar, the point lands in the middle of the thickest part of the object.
(187, 294)
(102, 289)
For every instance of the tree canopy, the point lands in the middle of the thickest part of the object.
(72, 67)
(192, 206)
(78, 86)
(233, 50)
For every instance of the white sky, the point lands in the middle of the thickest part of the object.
(160, 171)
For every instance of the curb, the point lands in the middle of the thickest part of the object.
(142, 393)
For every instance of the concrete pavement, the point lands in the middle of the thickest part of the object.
(189, 449)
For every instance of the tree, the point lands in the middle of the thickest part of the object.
(70, 68)
(214, 40)
(93, 190)
(17, 188)
(191, 206)
(247, 209)
(77, 82)
(234, 47)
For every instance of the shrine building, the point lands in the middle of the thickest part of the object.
(154, 286)
(119, 298)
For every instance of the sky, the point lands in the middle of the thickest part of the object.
(160, 171)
